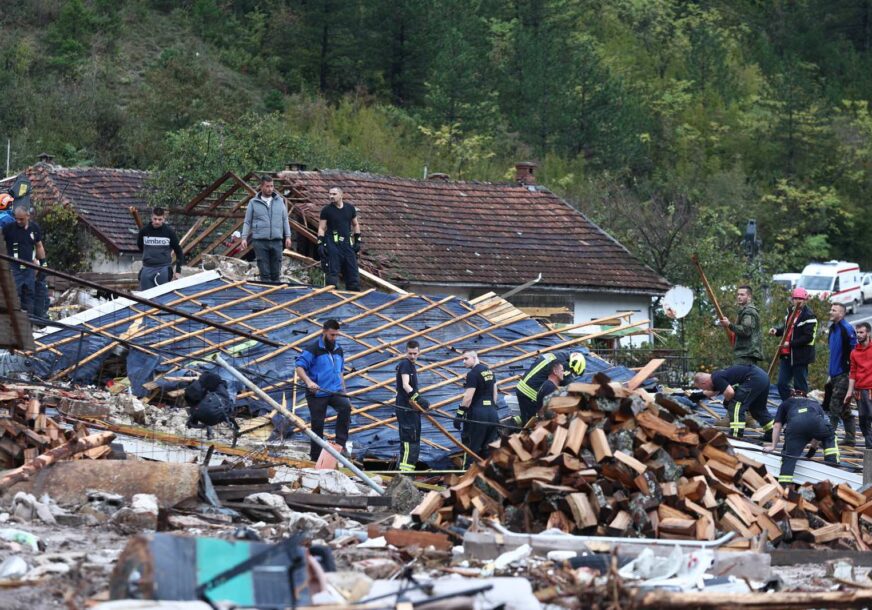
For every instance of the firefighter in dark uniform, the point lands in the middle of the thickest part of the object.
(528, 386)
(744, 386)
(804, 421)
(408, 417)
(477, 415)
(339, 241)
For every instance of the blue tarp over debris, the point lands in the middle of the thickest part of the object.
(375, 328)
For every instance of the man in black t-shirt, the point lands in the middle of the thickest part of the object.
(24, 241)
(744, 386)
(339, 241)
(477, 414)
(554, 380)
(408, 417)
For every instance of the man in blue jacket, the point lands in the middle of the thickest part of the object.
(843, 339)
(319, 365)
(266, 224)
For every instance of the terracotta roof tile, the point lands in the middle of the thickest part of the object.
(101, 196)
(471, 232)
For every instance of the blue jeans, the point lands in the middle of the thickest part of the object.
(25, 285)
(787, 372)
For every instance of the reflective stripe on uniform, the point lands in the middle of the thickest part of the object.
(785, 478)
(523, 387)
(768, 425)
(832, 451)
(404, 465)
(735, 424)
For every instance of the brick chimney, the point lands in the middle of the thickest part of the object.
(45, 158)
(439, 177)
(524, 172)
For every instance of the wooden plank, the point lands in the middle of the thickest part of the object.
(599, 443)
(644, 373)
(630, 461)
(577, 432)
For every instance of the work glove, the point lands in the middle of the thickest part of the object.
(697, 396)
(322, 248)
(420, 400)
(459, 418)
(355, 243)
(42, 263)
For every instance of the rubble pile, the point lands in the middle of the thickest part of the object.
(608, 461)
(26, 432)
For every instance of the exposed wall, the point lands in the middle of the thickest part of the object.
(589, 306)
(107, 263)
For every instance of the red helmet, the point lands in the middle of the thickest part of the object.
(5, 201)
(800, 293)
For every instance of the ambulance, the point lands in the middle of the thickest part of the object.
(835, 281)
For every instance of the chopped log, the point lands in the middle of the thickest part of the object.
(713, 453)
(577, 431)
(599, 444)
(849, 496)
(694, 490)
(630, 461)
(831, 532)
(752, 479)
(773, 532)
(559, 520)
(620, 524)
(731, 523)
(563, 404)
(518, 447)
(53, 455)
(705, 528)
(558, 441)
(684, 528)
(766, 493)
(432, 502)
(582, 511)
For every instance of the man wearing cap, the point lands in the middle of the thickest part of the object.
(797, 349)
(528, 386)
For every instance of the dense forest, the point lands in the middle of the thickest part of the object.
(670, 122)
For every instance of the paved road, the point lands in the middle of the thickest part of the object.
(864, 314)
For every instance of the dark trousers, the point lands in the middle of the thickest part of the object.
(787, 373)
(317, 413)
(752, 395)
(25, 285)
(480, 430)
(527, 407)
(801, 430)
(269, 258)
(40, 296)
(341, 258)
(409, 423)
(838, 410)
(864, 410)
(149, 277)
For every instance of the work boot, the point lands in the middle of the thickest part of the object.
(850, 431)
(811, 451)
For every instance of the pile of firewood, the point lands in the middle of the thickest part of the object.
(608, 461)
(26, 432)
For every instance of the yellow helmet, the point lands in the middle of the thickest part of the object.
(577, 363)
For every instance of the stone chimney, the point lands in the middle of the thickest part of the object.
(45, 158)
(524, 172)
(439, 177)
(296, 166)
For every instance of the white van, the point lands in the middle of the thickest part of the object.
(836, 281)
(786, 280)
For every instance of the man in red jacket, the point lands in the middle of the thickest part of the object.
(860, 380)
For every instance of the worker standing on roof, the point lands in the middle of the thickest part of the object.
(797, 347)
(842, 340)
(749, 340)
(804, 421)
(24, 241)
(319, 365)
(158, 242)
(744, 386)
(528, 387)
(408, 417)
(860, 380)
(339, 241)
(266, 225)
(477, 415)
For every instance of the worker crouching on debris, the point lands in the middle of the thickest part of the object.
(744, 386)
(408, 417)
(804, 421)
(477, 415)
(556, 375)
(529, 385)
(319, 365)
(209, 403)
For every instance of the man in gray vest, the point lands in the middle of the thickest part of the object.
(266, 225)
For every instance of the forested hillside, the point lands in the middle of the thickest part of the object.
(670, 122)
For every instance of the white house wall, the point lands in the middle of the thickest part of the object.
(593, 305)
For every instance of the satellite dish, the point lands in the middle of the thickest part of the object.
(677, 302)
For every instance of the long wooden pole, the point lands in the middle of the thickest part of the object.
(711, 294)
(790, 320)
(442, 429)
